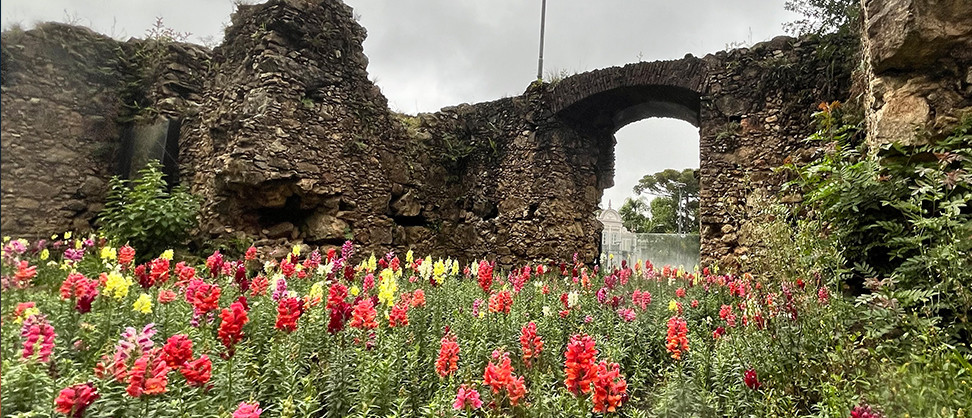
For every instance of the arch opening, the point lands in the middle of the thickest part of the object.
(661, 226)
(613, 109)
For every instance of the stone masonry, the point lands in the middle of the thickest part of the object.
(286, 140)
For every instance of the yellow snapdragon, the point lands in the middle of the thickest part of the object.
(316, 290)
(387, 286)
(45, 254)
(372, 263)
(167, 254)
(143, 304)
(117, 285)
(108, 253)
(438, 271)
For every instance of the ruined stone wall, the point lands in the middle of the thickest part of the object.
(286, 140)
(66, 102)
(294, 143)
(59, 100)
(919, 68)
(756, 113)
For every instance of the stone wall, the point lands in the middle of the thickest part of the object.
(756, 114)
(66, 101)
(919, 60)
(59, 103)
(286, 140)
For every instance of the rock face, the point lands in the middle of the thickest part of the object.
(285, 139)
(919, 57)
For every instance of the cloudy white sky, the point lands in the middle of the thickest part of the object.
(427, 54)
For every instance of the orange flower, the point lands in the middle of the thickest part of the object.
(579, 365)
(501, 302)
(418, 298)
(364, 315)
(126, 254)
(677, 340)
(610, 387)
(499, 376)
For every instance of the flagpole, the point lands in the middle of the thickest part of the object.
(543, 18)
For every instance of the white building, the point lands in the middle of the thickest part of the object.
(616, 240)
(672, 249)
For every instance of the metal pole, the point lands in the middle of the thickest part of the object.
(543, 18)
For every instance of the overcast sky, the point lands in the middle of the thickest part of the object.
(427, 54)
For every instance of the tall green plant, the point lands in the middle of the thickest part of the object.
(902, 215)
(146, 215)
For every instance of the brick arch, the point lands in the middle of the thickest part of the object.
(610, 98)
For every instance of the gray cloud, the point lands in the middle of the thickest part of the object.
(427, 54)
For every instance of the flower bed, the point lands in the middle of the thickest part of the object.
(86, 332)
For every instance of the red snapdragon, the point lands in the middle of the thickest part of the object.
(288, 312)
(231, 327)
(74, 400)
(579, 366)
(530, 343)
(198, 371)
(149, 375)
(448, 359)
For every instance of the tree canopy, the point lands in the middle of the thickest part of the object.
(822, 16)
(674, 208)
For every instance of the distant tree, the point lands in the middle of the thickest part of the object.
(823, 16)
(663, 218)
(677, 192)
(634, 215)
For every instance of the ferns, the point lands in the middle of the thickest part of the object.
(902, 214)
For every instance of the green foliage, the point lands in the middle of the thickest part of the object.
(902, 215)
(634, 215)
(823, 16)
(675, 209)
(145, 215)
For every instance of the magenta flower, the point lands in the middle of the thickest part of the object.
(248, 410)
(627, 314)
(467, 397)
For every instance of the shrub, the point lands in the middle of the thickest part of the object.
(143, 213)
(900, 217)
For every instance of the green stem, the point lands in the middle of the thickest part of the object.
(229, 378)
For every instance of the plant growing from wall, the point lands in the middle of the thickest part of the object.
(147, 215)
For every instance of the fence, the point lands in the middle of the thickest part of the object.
(661, 249)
